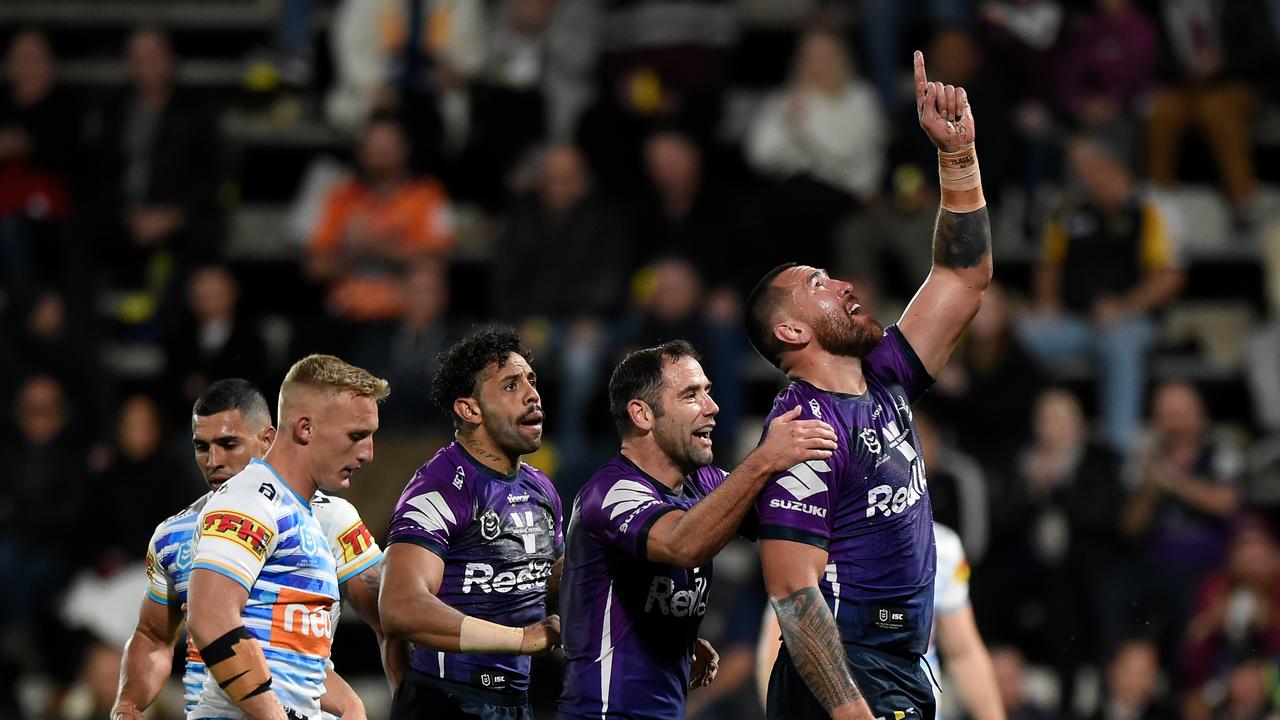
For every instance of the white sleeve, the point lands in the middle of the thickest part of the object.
(353, 546)
(951, 587)
(160, 586)
(237, 531)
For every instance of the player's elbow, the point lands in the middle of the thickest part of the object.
(392, 619)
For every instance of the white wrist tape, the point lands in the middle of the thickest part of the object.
(960, 180)
(482, 636)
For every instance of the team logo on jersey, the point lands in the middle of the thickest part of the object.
(490, 525)
(184, 558)
(251, 534)
(432, 513)
(355, 541)
(868, 437)
(815, 408)
(458, 476)
(802, 480)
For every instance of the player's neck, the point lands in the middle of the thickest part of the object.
(291, 466)
(645, 454)
(833, 373)
(486, 452)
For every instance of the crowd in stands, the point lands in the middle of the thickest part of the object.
(608, 174)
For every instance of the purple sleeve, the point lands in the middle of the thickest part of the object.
(431, 511)
(621, 512)
(895, 361)
(557, 506)
(797, 504)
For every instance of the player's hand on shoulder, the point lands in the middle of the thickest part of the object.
(706, 663)
(541, 637)
(791, 440)
(943, 110)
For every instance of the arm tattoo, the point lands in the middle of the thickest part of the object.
(961, 240)
(370, 579)
(812, 638)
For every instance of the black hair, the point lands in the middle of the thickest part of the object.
(458, 368)
(232, 394)
(762, 303)
(639, 377)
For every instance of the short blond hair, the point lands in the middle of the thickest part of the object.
(332, 375)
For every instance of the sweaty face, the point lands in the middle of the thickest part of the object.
(342, 439)
(833, 312)
(224, 444)
(510, 405)
(685, 415)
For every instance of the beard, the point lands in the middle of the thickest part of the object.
(680, 446)
(507, 434)
(840, 334)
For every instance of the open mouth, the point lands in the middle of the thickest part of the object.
(532, 420)
(853, 309)
(703, 435)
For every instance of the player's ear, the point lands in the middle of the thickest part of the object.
(302, 428)
(641, 414)
(468, 410)
(791, 333)
(267, 436)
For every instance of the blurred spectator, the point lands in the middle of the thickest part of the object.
(1249, 691)
(374, 225)
(1179, 513)
(405, 352)
(1133, 688)
(986, 393)
(218, 342)
(826, 125)
(146, 481)
(158, 172)
(1108, 263)
(45, 464)
(663, 63)
(1237, 608)
(39, 135)
(43, 339)
(561, 254)
(1054, 539)
(1010, 669)
(685, 213)
(1106, 68)
(1203, 85)
(958, 488)
(1020, 39)
(93, 694)
(884, 27)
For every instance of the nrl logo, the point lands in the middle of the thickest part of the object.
(490, 525)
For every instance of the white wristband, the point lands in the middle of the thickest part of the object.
(482, 636)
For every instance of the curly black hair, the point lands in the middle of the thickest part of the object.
(458, 367)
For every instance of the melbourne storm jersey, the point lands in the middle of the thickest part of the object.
(629, 624)
(867, 505)
(170, 556)
(499, 537)
(258, 532)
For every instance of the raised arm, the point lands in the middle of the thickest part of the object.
(692, 538)
(951, 295)
(809, 631)
(411, 610)
(148, 658)
(362, 592)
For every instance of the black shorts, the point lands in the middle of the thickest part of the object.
(422, 697)
(895, 687)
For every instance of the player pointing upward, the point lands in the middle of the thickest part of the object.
(847, 543)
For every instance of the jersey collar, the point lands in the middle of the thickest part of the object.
(301, 500)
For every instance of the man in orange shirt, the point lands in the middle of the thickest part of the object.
(374, 225)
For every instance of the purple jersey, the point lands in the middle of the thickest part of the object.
(868, 504)
(499, 537)
(629, 625)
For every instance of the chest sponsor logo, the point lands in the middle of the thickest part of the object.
(480, 577)
(355, 541)
(249, 533)
(431, 512)
(666, 600)
(528, 528)
(802, 480)
(490, 525)
(517, 499)
(886, 500)
(300, 622)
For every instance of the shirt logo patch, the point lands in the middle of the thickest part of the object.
(247, 532)
(490, 525)
(355, 541)
(432, 514)
(802, 480)
(300, 622)
(815, 408)
(625, 496)
(515, 499)
(151, 566)
(458, 476)
(868, 437)
(184, 558)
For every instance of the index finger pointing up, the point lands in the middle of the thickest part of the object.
(921, 79)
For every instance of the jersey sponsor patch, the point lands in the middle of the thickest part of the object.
(248, 532)
(355, 540)
(300, 622)
(802, 480)
(625, 496)
(432, 514)
(151, 565)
